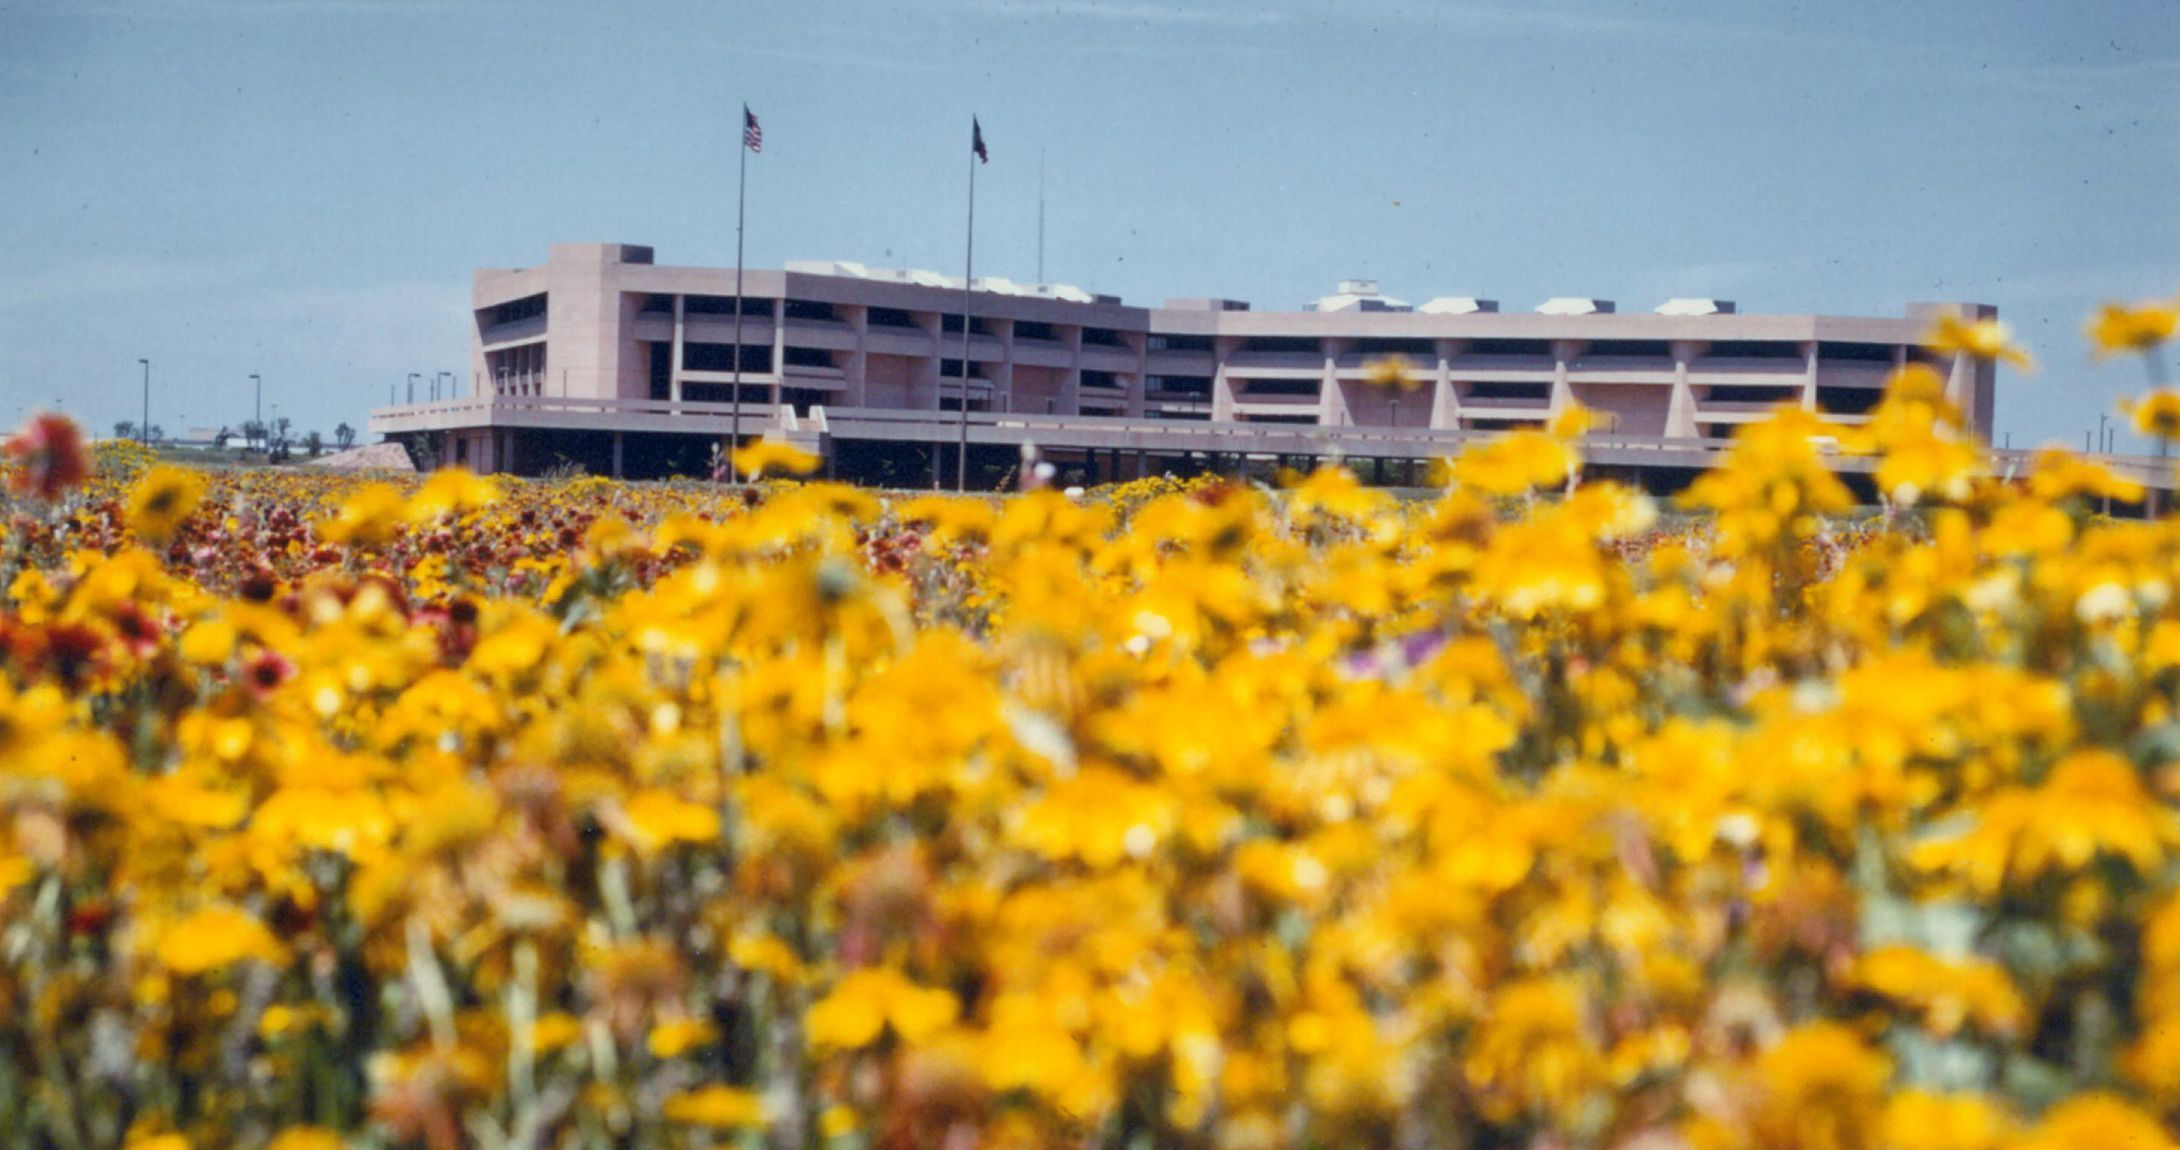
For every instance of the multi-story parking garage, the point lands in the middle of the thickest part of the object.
(603, 358)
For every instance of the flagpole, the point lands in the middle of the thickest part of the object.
(741, 204)
(968, 284)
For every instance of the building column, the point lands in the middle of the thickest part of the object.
(1563, 352)
(1071, 383)
(1680, 407)
(929, 381)
(1809, 375)
(779, 348)
(1003, 379)
(1445, 406)
(673, 374)
(856, 391)
(1139, 388)
(1331, 397)
(1222, 383)
(616, 455)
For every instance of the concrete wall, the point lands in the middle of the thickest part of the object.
(1666, 375)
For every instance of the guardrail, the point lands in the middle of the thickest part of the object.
(1124, 432)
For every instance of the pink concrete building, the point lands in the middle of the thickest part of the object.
(604, 358)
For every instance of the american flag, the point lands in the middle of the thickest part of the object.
(753, 137)
(976, 141)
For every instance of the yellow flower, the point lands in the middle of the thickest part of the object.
(1535, 1050)
(14, 872)
(1391, 373)
(371, 515)
(661, 818)
(452, 490)
(718, 1107)
(556, 1031)
(2092, 806)
(1948, 993)
(2157, 414)
(769, 457)
(2060, 474)
(2096, 1121)
(2118, 328)
(1822, 1087)
(208, 643)
(674, 1038)
(1915, 1120)
(1575, 421)
(1985, 339)
(215, 938)
(864, 1002)
(305, 1138)
(163, 500)
(1516, 464)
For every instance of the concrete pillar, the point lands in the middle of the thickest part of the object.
(673, 375)
(1222, 383)
(1563, 352)
(1138, 388)
(616, 455)
(855, 393)
(1071, 383)
(1332, 408)
(1809, 375)
(1003, 379)
(1680, 408)
(1445, 406)
(779, 348)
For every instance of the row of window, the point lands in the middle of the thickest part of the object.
(515, 309)
(1835, 351)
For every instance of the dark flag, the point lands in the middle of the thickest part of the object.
(753, 137)
(976, 141)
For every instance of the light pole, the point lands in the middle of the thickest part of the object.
(143, 430)
(413, 377)
(257, 404)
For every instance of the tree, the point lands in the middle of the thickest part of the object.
(155, 434)
(253, 433)
(345, 436)
(126, 429)
(220, 437)
(314, 443)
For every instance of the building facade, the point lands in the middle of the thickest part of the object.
(603, 357)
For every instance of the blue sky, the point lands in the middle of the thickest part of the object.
(300, 188)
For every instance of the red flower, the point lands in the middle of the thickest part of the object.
(49, 455)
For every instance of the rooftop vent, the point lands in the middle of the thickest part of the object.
(1358, 295)
(1574, 305)
(1696, 307)
(1458, 305)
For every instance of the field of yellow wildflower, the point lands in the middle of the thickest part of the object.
(468, 812)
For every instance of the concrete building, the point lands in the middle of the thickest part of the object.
(604, 358)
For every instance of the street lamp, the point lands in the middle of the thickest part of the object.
(413, 377)
(143, 430)
(257, 405)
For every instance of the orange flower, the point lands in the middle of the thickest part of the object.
(49, 457)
